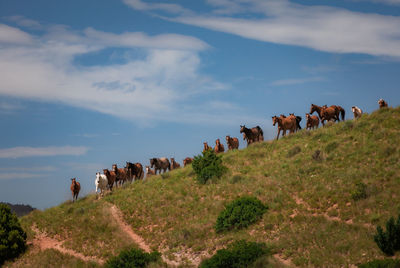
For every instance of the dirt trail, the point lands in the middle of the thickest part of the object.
(43, 241)
(286, 262)
(116, 213)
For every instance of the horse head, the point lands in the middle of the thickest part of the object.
(274, 120)
(152, 162)
(242, 128)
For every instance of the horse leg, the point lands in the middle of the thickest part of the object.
(279, 131)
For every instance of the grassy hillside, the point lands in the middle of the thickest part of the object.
(313, 218)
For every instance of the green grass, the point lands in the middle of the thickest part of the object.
(312, 218)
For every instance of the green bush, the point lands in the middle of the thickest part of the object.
(387, 263)
(238, 254)
(208, 166)
(132, 258)
(12, 236)
(240, 213)
(360, 191)
(389, 241)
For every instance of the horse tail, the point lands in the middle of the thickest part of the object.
(342, 112)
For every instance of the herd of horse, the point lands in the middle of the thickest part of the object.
(134, 171)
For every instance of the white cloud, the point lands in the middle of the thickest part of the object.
(18, 152)
(154, 87)
(12, 35)
(143, 6)
(296, 81)
(24, 22)
(323, 28)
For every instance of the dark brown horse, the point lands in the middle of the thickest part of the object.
(219, 147)
(233, 143)
(134, 171)
(325, 113)
(312, 121)
(252, 135)
(284, 123)
(75, 188)
(382, 103)
(160, 164)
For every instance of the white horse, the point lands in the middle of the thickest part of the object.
(356, 111)
(101, 182)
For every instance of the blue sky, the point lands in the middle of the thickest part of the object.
(85, 84)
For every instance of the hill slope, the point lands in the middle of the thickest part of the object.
(313, 219)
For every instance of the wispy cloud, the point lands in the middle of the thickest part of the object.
(24, 22)
(323, 28)
(296, 81)
(9, 107)
(12, 35)
(154, 87)
(18, 152)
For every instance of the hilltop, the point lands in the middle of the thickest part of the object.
(308, 180)
(20, 209)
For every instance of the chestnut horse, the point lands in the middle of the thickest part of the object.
(312, 121)
(174, 164)
(284, 123)
(325, 113)
(187, 161)
(206, 147)
(111, 177)
(121, 173)
(298, 120)
(75, 188)
(252, 135)
(219, 147)
(233, 143)
(149, 172)
(382, 103)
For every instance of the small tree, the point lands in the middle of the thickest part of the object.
(208, 166)
(389, 241)
(12, 236)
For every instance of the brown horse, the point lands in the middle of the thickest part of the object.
(160, 164)
(357, 112)
(149, 172)
(206, 147)
(233, 143)
(252, 135)
(75, 188)
(312, 121)
(219, 147)
(382, 103)
(121, 173)
(288, 123)
(111, 177)
(325, 113)
(187, 161)
(174, 164)
(298, 120)
(134, 171)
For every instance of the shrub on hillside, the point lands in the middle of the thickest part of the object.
(387, 263)
(240, 213)
(132, 258)
(12, 236)
(208, 166)
(389, 241)
(359, 192)
(238, 254)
